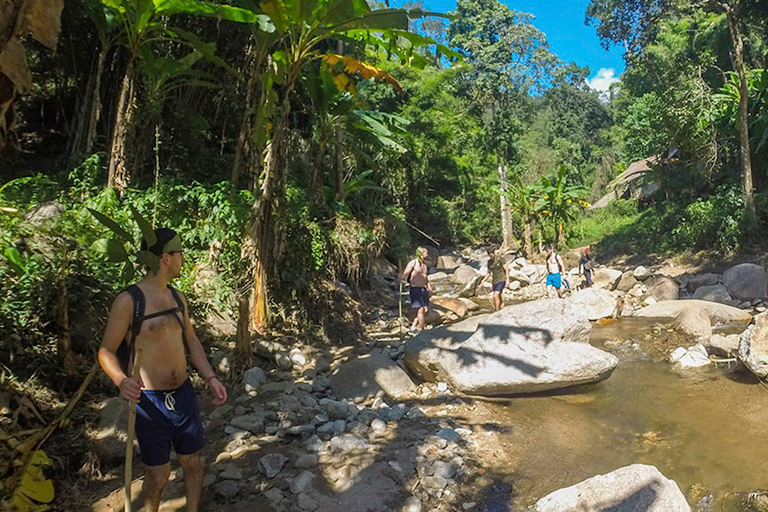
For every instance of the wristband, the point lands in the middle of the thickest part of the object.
(209, 379)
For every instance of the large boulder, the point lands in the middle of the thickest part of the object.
(723, 345)
(635, 488)
(519, 275)
(455, 306)
(627, 282)
(713, 293)
(746, 281)
(718, 313)
(381, 266)
(595, 303)
(470, 289)
(525, 348)
(753, 346)
(641, 273)
(606, 278)
(449, 261)
(696, 281)
(662, 288)
(370, 374)
(693, 322)
(464, 275)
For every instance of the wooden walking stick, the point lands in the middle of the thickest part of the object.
(129, 440)
(400, 304)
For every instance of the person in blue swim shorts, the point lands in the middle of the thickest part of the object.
(555, 269)
(152, 318)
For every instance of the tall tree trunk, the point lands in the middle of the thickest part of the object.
(527, 239)
(88, 118)
(744, 151)
(64, 341)
(316, 195)
(339, 139)
(506, 214)
(245, 138)
(118, 175)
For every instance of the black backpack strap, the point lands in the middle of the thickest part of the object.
(177, 297)
(139, 303)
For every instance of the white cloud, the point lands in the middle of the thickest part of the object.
(602, 82)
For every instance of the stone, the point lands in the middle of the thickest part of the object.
(448, 434)
(274, 495)
(270, 465)
(231, 473)
(606, 278)
(434, 482)
(443, 469)
(307, 460)
(412, 504)
(696, 281)
(464, 275)
(450, 261)
(627, 282)
(753, 346)
(595, 303)
(381, 266)
(347, 443)
(746, 281)
(110, 436)
(282, 361)
(451, 304)
(227, 489)
(336, 410)
(635, 488)
(302, 483)
(641, 273)
(369, 375)
(297, 357)
(723, 345)
(524, 348)
(253, 379)
(693, 357)
(693, 322)
(378, 426)
(306, 502)
(470, 289)
(320, 383)
(662, 288)
(250, 422)
(437, 276)
(718, 313)
(713, 293)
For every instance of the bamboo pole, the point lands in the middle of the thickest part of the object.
(129, 439)
(400, 303)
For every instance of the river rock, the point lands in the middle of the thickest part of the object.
(662, 288)
(627, 282)
(451, 304)
(524, 348)
(302, 483)
(595, 303)
(693, 322)
(432, 255)
(696, 281)
(635, 488)
(713, 293)
(723, 345)
(641, 273)
(520, 276)
(253, 379)
(381, 266)
(369, 375)
(470, 288)
(746, 281)
(753, 346)
(607, 278)
(718, 313)
(464, 275)
(693, 357)
(449, 261)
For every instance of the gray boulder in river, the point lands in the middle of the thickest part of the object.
(718, 313)
(753, 346)
(525, 348)
(635, 488)
(746, 281)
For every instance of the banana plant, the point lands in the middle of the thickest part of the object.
(559, 200)
(123, 247)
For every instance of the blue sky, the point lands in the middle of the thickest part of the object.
(563, 23)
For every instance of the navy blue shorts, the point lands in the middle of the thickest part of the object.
(419, 297)
(499, 287)
(166, 419)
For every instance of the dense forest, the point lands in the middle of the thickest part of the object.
(292, 143)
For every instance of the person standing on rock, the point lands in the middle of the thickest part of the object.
(167, 411)
(416, 273)
(498, 271)
(585, 267)
(555, 269)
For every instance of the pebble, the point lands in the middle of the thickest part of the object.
(298, 358)
(307, 502)
(378, 426)
(443, 469)
(348, 443)
(412, 504)
(448, 434)
(274, 495)
(231, 473)
(270, 465)
(227, 489)
(307, 460)
(302, 483)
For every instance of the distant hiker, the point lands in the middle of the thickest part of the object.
(420, 289)
(154, 319)
(555, 269)
(498, 271)
(585, 267)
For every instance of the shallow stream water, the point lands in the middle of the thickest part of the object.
(707, 429)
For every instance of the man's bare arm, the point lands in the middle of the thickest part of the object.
(118, 323)
(200, 361)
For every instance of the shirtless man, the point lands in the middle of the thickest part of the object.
(420, 289)
(167, 412)
(555, 269)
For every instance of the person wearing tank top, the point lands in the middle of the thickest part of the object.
(416, 273)
(555, 268)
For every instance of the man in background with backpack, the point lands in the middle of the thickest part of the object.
(416, 273)
(586, 266)
(153, 319)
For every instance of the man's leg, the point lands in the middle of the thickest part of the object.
(497, 300)
(193, 480)
(155, 478)
(422, 317)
